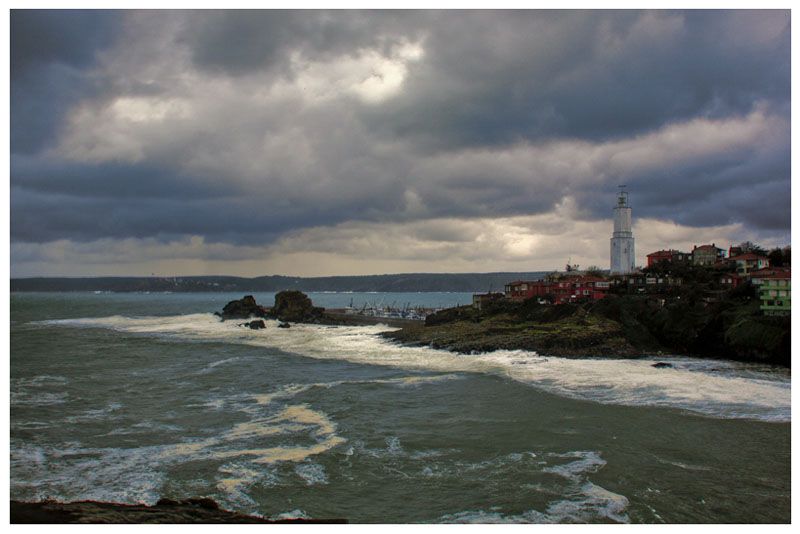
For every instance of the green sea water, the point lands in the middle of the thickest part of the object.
(131, 397)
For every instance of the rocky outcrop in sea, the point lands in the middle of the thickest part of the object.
(290, 306)
(243, 308)
(295, 307)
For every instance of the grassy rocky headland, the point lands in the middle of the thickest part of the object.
(617, 326)
(687, 322)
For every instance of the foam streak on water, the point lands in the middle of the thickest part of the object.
(125, 474)
(709, 387)
(584, 502)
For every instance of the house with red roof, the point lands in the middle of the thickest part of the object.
(748, 262)
(674, 256)
(561, 290)
(707, 254)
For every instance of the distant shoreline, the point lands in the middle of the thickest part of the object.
(383, 283)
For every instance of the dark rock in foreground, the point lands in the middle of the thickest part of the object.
(243, 308)
(663, 365)
(256, 325)
(166, 511)
(284, 325)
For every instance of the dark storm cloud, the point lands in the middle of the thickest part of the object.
(504, 113)
(239, 42)
(50, 51)
(39, 217)
(722, 188)
(70, 37)
(108, 181)
(722, 196)
(491, 79)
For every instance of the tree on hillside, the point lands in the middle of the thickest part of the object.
(749, 246)
(594, 270)
(690, 273)
(780, 257)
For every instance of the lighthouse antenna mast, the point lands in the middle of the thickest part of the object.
(622, 196)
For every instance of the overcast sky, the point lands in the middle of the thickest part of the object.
(319, 143)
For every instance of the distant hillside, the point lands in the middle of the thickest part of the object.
(423, 282)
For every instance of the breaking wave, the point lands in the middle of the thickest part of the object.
(713, 388)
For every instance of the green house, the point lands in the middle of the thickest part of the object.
(775, 292)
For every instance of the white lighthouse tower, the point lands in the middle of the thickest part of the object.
(622, 254)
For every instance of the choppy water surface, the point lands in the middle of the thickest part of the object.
(134, 397)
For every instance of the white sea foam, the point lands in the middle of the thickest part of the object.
(294, 514)
(210, 367)
(26, 398)
(144, 427)
(493, 517)
(714, 388)
(292, 390)
(312, 474)
(94, 414)
(136, 474)
(586, 462)
(38, 391)
(74, 472)
(236, 480)
(585, 501)
(590, 502)
(292, 419)
(562, 477)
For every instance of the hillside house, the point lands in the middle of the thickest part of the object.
(707, 254)
(560, 291)
(775, 292)
(746, 263)
(651, 284)
(730, 280)
(523, 290)
(758, 276)
(674, 256)
(577, 288)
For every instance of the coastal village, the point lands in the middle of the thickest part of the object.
(769, 273)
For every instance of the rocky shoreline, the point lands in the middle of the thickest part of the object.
(462, 329)
(165, 511)
(576, 336)
(615, 327)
